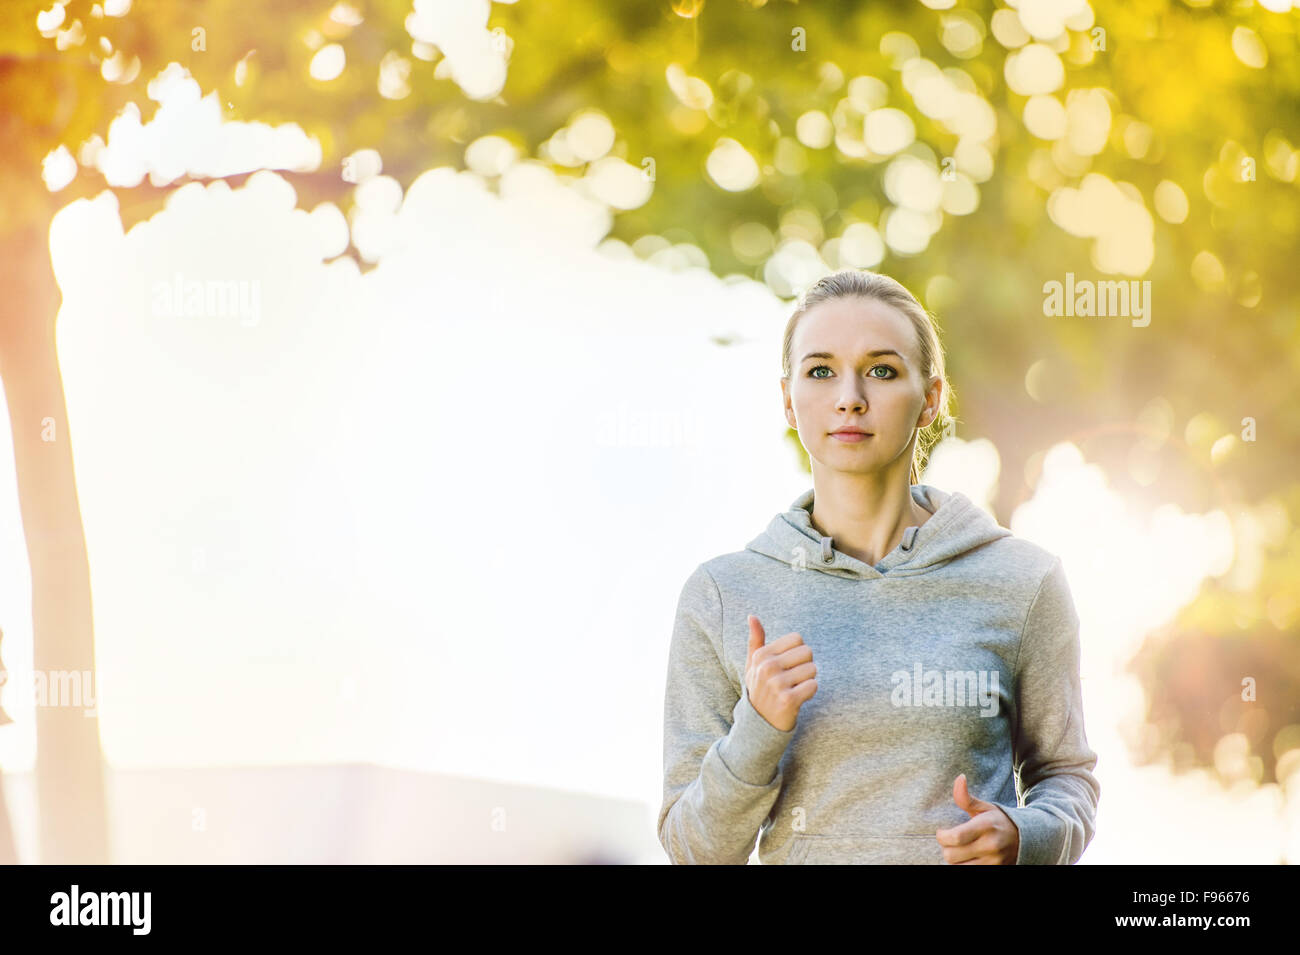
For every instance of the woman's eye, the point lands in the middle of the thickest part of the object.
(817, 368)
(886, 368)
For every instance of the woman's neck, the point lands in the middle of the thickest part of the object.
(866, 518)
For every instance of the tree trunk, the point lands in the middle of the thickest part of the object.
(70, 785)
(8, 849)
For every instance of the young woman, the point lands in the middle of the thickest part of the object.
(920, 700)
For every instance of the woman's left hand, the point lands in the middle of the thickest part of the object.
(989, 837)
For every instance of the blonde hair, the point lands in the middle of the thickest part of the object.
(865, 284)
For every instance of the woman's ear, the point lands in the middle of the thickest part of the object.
(929, 413)
(786, 406)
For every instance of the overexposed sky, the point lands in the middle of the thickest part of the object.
(353, 517)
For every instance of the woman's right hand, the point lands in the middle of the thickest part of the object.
(779, 677)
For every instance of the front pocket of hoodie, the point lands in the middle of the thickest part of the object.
(865, 849)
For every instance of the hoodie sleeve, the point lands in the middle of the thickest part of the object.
(721, 757)
(1052, 759)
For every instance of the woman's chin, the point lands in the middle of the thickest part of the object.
(849, 461)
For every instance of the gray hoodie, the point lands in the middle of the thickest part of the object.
(957, 653)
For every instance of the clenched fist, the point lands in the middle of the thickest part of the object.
(779, 677)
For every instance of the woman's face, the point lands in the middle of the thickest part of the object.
(855, 363)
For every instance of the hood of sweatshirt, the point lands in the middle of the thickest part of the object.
(957, 525)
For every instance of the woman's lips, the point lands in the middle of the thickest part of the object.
(849, 437)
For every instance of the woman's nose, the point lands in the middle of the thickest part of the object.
(853, 399)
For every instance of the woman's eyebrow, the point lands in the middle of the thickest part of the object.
(870, 354)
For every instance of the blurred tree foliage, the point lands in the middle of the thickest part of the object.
(975, 151)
